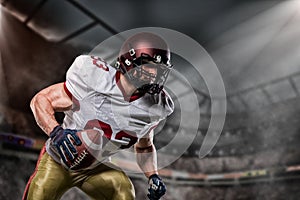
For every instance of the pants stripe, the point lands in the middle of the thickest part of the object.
(34, 173)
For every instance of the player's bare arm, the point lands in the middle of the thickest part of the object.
(146, 155)
(44, 104)
(48, 101)
(147, 160)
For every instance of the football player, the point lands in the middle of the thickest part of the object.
(125, 101)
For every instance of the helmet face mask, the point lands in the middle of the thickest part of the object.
(144, 59)
(149, 78)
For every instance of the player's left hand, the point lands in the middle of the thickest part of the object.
(156, 188)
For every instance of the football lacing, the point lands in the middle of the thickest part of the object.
(79, 159)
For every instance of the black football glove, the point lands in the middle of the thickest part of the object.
(63, 141)
(156, 188)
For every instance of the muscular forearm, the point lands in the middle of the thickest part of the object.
(43, 113)
(147, 160)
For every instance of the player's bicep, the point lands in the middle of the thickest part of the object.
(57, 96)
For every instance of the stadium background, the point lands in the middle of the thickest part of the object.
(255, 45)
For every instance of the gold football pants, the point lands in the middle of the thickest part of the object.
(51, 180)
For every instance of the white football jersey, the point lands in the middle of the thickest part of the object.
(99, 103)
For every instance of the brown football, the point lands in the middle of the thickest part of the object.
(87, 152)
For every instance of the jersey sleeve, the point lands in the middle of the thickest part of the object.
(87, 74)
(76, 79)
(165, 108)
(167, 103)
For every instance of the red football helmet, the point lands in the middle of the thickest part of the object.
(144, 59)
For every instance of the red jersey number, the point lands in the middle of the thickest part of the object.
(100, 63)
(106, 128)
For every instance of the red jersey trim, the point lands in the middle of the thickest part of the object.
(67, 91)
(75, 101)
